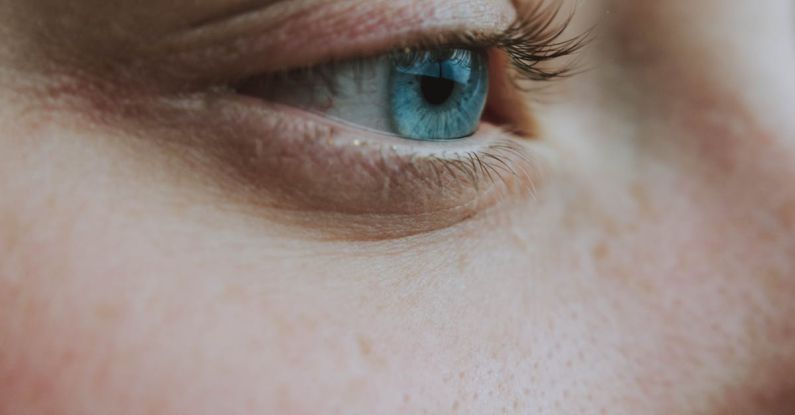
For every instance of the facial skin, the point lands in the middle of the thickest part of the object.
(146, 269)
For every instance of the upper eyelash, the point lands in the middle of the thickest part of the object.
(534, 39)
(537, 37)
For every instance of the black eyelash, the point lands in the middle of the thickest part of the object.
(532, 42)
(537, 38)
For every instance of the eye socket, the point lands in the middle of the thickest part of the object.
(415, 94)
(370, 148)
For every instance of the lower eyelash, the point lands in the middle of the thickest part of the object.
(490, 164)
(504, 164)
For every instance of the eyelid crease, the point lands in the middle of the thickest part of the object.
(286, 35)
(247, 8)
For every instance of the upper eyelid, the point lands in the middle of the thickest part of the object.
(528, 43)
(536, 35)
(235, 12)
(472, 14)
(264, 40)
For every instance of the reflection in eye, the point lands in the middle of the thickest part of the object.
(438, 95)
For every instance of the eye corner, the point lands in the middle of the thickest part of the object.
(507, 104)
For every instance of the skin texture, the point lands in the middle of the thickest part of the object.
(652, 270)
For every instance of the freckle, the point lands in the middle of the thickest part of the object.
(109, 312)
(233, 293)
(461, 375)
(406, 398)
(463, 263)
(364, 346)
(601, 251)
(641, 196)
(13, 231)
(786, 213)
(456, 405)
(774, 280)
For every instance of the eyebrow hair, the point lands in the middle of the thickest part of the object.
(242, 9)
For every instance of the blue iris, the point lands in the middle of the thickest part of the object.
(438, 95)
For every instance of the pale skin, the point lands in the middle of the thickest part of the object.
(650, 271)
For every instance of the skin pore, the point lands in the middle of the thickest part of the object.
(648, 270)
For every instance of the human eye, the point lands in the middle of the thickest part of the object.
(426, 93)
(437, 94)
(413, 134)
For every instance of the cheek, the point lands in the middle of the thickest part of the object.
(124, 309)
(677, 217)
(94, 323)
(119, 297)
(675, 279)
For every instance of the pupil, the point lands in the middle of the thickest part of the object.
(436, 90)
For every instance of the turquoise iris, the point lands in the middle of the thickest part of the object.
(438, 95)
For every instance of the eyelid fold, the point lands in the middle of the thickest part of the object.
(246, 45)
(302, 33)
